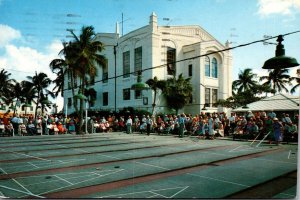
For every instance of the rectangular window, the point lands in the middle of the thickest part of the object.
(207, 97)
(126, 64)
(69, 102)
(138, 59)
(105, 72)
(126, 94)
(105, 98)
(92, 81)
(190, 70)
(2, 107)
(214, 97)
(207, 66)
(105, 77)
(138, 94)
(171, 61)
(191, 99)
(69, 81)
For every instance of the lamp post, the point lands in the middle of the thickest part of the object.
(83, 97)
(139, 85)
(26, 105)
(280, 61)
(115, 56)
(204, 105)
(45, 102)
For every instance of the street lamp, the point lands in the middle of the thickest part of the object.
(83, 97)
(139, 85)
(280, 61)
(26, 105)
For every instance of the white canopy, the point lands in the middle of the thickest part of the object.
(278, 102)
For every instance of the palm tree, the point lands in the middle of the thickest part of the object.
(277, 79)
(5, 86)
(246, 81)
(297, 79)
(39, 83)
(155, 85)
(58, 67)
(83, 57)
(178, 92)
(16, 95)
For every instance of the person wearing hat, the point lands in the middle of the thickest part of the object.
(129, 125)
(277, 129)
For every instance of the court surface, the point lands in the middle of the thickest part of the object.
(120, 165)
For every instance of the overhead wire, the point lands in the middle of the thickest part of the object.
(186, 59)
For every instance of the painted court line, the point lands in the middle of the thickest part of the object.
(77, 183)
(152, 165)
(108, 156)
(275, 161)
(248, 148)
(17, 182)
(145, 191)
(63, 179)
(2, 195)
(26, 155)
(33, 165)
(156, 195)
(219, 180)
(30, 194)
(179, 192)
(290, 154)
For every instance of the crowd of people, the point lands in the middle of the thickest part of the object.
(204, 125)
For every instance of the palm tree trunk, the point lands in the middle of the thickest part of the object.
(81, 107)
(154, 102)
(73, 92)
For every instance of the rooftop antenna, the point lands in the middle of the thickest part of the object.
(266, 43)
(122, 23)
(232, 35)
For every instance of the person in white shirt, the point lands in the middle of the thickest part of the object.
(149, 123)
(129, 125)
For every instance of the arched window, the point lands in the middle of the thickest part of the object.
(214, 68)
(207, 66)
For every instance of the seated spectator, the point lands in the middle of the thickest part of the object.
(31, 130)
(22, 129)
(2, 127)
(61, 128)
(293, 132)
(9, 129)
(55, 129)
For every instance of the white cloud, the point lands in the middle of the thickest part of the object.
(8, 34)
(282, 7)
(22, 61)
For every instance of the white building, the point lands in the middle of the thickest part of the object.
(150, 48)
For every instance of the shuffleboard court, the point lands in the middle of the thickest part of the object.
(119, 165)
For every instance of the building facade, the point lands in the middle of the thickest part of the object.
(160, 51)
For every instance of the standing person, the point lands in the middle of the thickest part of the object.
(15, 123)
(268, 128)
(44, 125)
(210, 127)
(39, 126)
(72, 123)
(129, 125)
(136, 124)
(90, 125)
(181, 123)
(277, 128)
(143, 124)
(149, 123)
(232, 123)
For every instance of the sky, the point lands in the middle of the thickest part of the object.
(32, 31)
